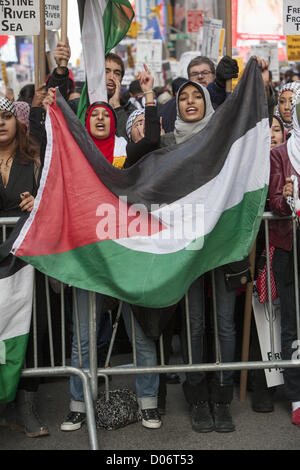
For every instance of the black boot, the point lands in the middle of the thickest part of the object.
(262, 401)
(222, 417)
(201, 418)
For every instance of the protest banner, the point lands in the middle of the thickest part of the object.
(293, 47)
(194, 20)
(291, 17)
(262, 317)
(20, 18)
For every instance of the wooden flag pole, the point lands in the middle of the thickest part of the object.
(247, 326)
(42, 53)
(36, 62)
(229, 38)
(64, 25)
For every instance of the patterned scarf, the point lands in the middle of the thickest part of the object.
(294, 87)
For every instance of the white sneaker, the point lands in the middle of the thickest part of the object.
(73, 421)
(151, 418)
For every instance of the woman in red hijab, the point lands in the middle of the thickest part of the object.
(101, 123)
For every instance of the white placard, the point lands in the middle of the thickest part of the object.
(212, 31)
(291, 17)
(274, 377)
(268, 51)
(20, 18)
(53, 14)
(150, 53)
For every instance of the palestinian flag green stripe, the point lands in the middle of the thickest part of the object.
(15, 349)
(131, 270)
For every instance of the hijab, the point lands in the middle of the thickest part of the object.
(23, 111)
(107, 145)
(293, 144)
(294, 87)
(131, 119)
(184, 130)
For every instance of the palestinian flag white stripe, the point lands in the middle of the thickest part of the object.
(16, 294)
(242, 173)
(93, 48)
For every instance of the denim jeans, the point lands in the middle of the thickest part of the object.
(77, 400)
(284, 276)
(225, 305)
(146, 384)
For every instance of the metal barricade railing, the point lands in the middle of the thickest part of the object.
(89, 377)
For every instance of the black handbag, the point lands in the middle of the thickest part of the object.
(237, 274)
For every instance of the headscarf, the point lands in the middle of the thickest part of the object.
(23, 111)
(294, 87)
(7, 105)
(131, 119)
(184, 130)
(107, 145)
(293, 144)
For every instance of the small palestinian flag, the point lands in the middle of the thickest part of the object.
(144, 234)
(104, 23)
(16, 292)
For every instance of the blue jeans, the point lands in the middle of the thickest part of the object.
(146, 384)
(77, 400)
(225, 305)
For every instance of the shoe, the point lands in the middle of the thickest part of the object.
(262, 401)
(201, 417)
(27, 419)
(151, 418)
(73, 421)
(222, 417)
(296, 417)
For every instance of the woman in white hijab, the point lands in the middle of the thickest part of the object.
(194, 111)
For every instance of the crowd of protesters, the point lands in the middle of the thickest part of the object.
(132, 123)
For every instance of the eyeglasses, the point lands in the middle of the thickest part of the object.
(200, 74)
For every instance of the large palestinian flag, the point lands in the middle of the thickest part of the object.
(104, 23)
(16, 292)
(144, 234)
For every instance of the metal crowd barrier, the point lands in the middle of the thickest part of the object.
(89, 377)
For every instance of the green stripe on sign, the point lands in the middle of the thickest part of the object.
(11, 370)
(157, 280)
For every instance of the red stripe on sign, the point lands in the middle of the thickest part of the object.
(76, 209)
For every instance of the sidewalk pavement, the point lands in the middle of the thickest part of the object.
(254, 431)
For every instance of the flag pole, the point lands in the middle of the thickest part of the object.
(247, 326)
(64, 26)
(229, 38)
(36, 62)
(42, 37)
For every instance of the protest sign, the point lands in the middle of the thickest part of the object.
(212, 33)
(194, 20)
(269, 52)
(53, 14)
(293, 48)
(20, 17)
(291, 17)
(241, 66)
(274, 377)
(150, 53)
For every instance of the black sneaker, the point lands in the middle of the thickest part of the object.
(73, 421)
(223, 418)
(201, 417)
(151, 418)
